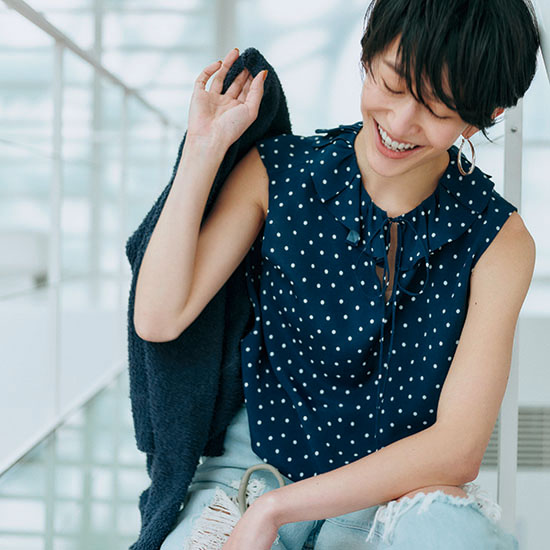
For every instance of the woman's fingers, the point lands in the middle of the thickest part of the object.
(256, 91)
(237, 84)
(204, 76)
(246, 87)
(229, 59)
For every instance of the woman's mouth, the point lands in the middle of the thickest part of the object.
(391, 148)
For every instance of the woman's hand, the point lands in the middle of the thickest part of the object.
(256, 530)
(221, 119)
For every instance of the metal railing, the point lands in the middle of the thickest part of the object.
(508, 421)
(55, 280)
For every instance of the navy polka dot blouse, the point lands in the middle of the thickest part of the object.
(331, 370)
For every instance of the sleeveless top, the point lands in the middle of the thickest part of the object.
(331, 371)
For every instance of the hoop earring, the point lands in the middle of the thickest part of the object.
(459, 160)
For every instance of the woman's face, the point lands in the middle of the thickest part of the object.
(390, 111)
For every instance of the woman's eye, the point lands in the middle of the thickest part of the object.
(390, 90)
(439, 117)
(397, 92)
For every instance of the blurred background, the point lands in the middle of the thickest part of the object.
(94, 96)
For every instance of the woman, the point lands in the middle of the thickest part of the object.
(376, 231)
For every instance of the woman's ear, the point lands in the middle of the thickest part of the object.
(469, 131)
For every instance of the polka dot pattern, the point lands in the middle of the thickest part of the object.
(333, 371)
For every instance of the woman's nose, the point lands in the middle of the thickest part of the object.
(405, 118)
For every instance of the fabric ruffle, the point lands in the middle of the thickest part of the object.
(439, 219)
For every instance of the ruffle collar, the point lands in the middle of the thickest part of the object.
(439, 219)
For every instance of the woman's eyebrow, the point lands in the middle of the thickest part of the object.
(393, 67)
(401, 74)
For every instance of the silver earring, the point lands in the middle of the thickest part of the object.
(459, 160)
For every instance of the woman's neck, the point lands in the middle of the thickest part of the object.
(400, 194)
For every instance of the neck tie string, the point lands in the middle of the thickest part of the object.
(383, 367)
(398, 257)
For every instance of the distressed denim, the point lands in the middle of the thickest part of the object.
(429, 521)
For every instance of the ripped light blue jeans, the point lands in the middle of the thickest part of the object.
(431, 521)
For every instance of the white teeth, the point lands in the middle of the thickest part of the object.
(393, 145)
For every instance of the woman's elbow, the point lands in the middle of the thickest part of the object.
(153, 332)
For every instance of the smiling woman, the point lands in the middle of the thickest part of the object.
(385, 303)
(406, 120)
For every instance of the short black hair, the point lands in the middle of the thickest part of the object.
(487, 47)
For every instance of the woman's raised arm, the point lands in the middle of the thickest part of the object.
(166, 275)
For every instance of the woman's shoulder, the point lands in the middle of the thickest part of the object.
(498, 202)
(477, 192)
(512, 250)
(276, 153)
(513, 229)
(294, 150)
(287, 152)
(501, 228)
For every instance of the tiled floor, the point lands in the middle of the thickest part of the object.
(79, 488)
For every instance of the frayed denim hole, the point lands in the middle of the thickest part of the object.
(439, 494)
(256, 487)
(389, 513)
(213, 526)
(487, 506)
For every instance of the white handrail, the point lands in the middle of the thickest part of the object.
(542, 8)
(508, 425)
(509, 411)
(40, 21)
(57, 278)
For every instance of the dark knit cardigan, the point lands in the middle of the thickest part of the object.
(185, 392)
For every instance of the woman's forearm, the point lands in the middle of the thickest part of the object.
(429, 457)
(166, 271)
